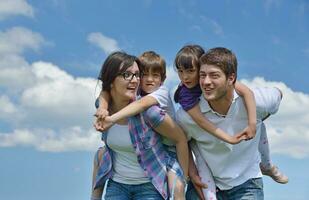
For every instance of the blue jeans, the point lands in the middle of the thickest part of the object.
(250, 190)
(120, 191)
(191, 193)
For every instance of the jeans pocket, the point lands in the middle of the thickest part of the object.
(257, 182)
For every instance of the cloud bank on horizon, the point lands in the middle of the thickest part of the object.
(48, 109)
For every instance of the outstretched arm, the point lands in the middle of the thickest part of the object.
(205, 124)
(133, 108)
(250, 104)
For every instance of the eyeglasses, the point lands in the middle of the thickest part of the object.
(128, 76)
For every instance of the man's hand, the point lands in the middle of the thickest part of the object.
(198, 185)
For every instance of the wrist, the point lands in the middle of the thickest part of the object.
(187, 179)
(252, 124)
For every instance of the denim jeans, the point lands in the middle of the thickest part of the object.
(120, 191)
(250, 190)
(191, 193)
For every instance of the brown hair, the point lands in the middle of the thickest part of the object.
(115, 64)
(151, 61)
(188, 56)
(223, 58)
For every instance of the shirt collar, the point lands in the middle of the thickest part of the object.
(205, 107)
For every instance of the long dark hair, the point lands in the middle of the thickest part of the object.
(116, 63)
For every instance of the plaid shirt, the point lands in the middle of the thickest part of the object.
(151, 154)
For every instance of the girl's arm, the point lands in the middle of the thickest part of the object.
(102, 110)
(205, 124)
(171, 130)
(250, 104)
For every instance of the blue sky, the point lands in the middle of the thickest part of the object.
(51, 53)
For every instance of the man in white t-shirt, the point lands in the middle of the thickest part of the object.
(235, 168)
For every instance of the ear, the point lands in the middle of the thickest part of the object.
(231, 79)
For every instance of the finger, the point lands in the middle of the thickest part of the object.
(97, 126)
(199, 192)
(199, 183)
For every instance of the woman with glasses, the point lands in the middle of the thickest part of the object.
(133, 163)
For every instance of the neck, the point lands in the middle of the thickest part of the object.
(116, 105)
(223, 104)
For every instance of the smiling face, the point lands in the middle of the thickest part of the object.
(189, 76)
(214, 83)
(151, 81)
(125, 90)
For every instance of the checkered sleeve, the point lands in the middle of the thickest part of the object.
(153, 116)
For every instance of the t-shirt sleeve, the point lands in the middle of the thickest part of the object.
(161, 95)
(153, 116)
(188, 99)
(267, 100)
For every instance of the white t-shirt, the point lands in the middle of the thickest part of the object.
(231, 165)
(163, 98)
(125, 165)
(165, 102)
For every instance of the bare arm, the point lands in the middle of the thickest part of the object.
(250, 104)
(102, 110)
(133, 108)
(205, 124)
(171, 130)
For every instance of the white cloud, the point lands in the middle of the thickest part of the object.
(6, 106)
(288, 130)
(18, 39)
(15, 73)
(15, 7)
(69, 139)
(53, 114)
(57, 98)
(44, 106)
(105, 43)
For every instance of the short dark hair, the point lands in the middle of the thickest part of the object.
(116, 63)
(151, 61)
(223, 58)
(188, 56)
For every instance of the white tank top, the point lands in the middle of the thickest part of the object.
(125, 166)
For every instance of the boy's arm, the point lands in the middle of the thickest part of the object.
(205, 124)
(250, 104)
(133, 108)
